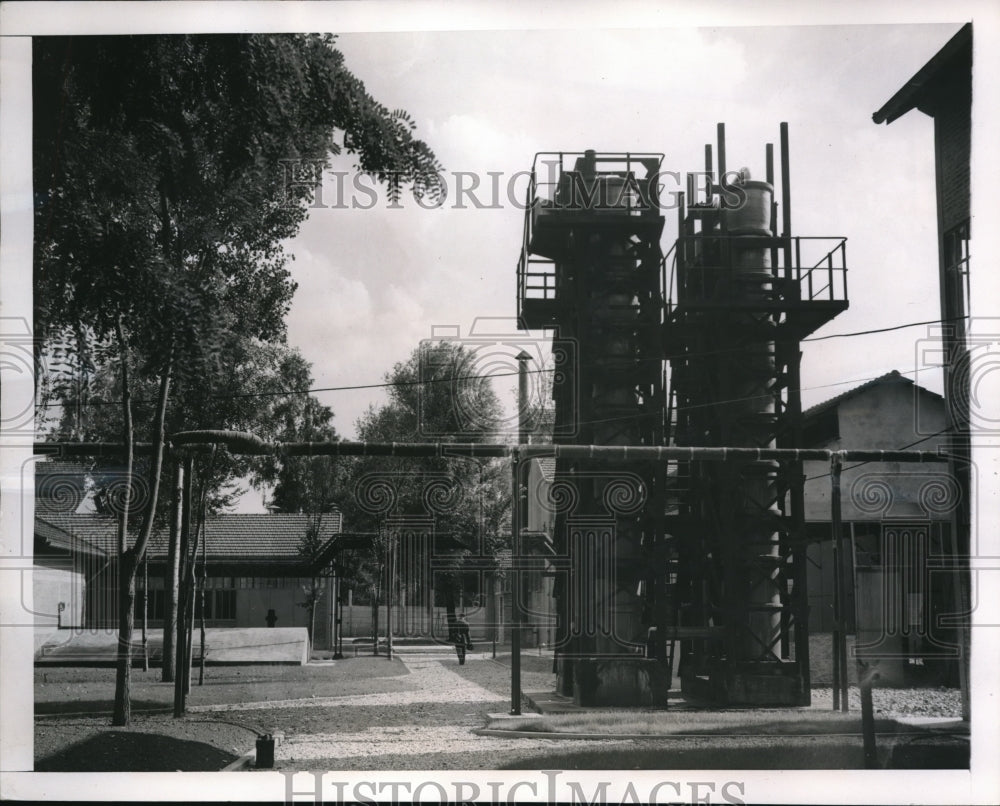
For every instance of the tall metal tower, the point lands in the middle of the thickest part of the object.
(590, 267)
(742, 296)
(705, 554)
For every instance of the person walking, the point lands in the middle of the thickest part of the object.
(460, 638)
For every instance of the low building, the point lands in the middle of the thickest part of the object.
(255, 571)
(897, 528)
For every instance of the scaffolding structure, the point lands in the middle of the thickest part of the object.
(712, 557)
(742, 295)
(591, 268)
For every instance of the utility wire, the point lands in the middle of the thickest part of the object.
(392, 384)
(886, 329)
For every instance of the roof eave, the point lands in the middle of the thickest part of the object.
(908, 96)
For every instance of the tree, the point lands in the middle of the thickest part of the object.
(434, 396)
(311, 547)
(303, 484)
(163, 203)
(299, 484)
(262, 389)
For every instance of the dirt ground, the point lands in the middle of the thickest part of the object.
(73, 731)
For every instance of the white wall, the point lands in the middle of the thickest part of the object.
(52, 585)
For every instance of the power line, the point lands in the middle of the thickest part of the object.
(391, 384)
(885, 329)
(282, 392)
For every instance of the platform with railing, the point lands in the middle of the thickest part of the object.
(570, 190)
(802, 277)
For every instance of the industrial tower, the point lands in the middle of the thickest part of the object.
(590, 267)
(704, 555)
(742, 295)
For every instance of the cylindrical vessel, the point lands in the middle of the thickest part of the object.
(753, 217)
(751, 260)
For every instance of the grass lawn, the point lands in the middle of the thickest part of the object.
(61, 690)
(73, 708)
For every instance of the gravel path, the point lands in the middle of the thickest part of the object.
(890, 702)
(445, 697)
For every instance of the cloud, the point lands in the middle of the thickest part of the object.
(374, 282)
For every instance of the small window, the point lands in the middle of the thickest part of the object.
(225, 604)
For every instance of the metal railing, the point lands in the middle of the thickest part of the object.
(623, 183)
(568, 183)
(716, 268)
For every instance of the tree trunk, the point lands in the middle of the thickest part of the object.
(189, 599)
(130, 558)
(312, 625)
(126, 622)
(126, 577)
(313, 601)
(201, 627)
(204, 579)
(173, 578)
(180, 648)
(189, 640)
(145, 614)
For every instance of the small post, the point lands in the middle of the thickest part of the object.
(265, 752)
(338, 615)
(786, 201)
(496, 614)
(840, 656)
(388, 595)
(515, 590)
(866, 676)
(518, 514)
(836, 658)
(720, 132)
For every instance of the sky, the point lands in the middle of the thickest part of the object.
(374, 282)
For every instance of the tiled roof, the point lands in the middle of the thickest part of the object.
(64, 483)
(889, 377)
(253, 539)
(542, 426)
(59, 539)
(62, 467)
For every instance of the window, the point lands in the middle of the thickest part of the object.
(956, 275)
(220, 603)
